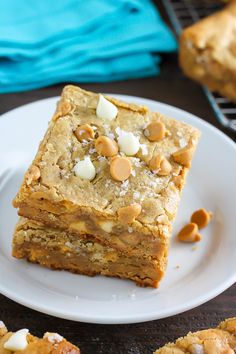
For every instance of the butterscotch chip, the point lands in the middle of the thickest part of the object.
(184, 156)
(32, 175)
(84, 132)
(201, 217)
(155, 131)
(120, 168)
(127, 214)
(160, 165)
(178, 181)
(106, 146)
(189, 233)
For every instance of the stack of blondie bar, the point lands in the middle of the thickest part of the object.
(103, 190)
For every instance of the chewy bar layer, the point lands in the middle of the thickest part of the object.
(220, 340)
(109, 169)
(22, 342)
(208, 51)
(58, 249)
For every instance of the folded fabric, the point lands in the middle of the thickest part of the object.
(44, 42)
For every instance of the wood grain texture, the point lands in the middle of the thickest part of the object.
(172, 88)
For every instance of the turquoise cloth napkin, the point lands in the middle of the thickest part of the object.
(43, 42)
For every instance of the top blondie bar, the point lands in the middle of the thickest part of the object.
(109, 169)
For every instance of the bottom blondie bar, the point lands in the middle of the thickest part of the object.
(220, 340)
(58, 249)
(25, 343)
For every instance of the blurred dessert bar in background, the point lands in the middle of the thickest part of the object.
(208, 51)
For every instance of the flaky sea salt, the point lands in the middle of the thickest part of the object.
(92, 151)
(108, 183)
(125, 184)
(85, 143)
(144, 149)
(182, 142)
(124, 188)
(138, 163)
(152, 184)
(111, 136)
(150, 194)
(165, 231)
(101, 158)
(130, 229)
(42, 163)
(136, 195)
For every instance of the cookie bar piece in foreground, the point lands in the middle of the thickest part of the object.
(220, 340)
(25, 343)
(208, 51)
(58, 249)
(109, 169)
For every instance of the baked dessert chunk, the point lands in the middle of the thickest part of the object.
(25, 343)
(109, 169)
(220, 340)
(58, 249)
(208, 51)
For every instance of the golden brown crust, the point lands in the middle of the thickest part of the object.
(208, 51)
(220, 340)
(40, 345)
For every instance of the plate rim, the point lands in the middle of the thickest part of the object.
(144, 317)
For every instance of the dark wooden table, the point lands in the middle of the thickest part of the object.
(172, 88)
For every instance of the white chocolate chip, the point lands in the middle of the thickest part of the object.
(128, 143)
(106, 109)
(17, 341)
(106, 225)
(85, 169)
(53, 337)
(197, 349)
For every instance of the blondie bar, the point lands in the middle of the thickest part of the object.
(58, 249)
(25, 343)
(208, 51)
(109, 169)
(220, 340)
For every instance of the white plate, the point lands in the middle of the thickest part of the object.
(193, 277)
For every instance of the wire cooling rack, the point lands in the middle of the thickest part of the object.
(183, 13)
